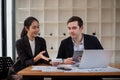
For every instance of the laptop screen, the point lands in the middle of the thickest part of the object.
(95, 58)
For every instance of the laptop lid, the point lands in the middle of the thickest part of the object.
(95, 58)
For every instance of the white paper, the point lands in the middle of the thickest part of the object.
(74, 69)
(46, 68)
(108, 69)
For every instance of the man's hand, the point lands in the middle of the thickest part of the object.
(69, 61)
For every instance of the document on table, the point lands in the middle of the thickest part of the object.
(108, 69)
(46, 68)
(74, 69)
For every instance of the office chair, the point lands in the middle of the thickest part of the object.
(5, 63)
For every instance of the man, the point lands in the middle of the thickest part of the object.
(76, 41)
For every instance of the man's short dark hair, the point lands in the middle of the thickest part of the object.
(76, 18)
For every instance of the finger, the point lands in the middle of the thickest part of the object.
(70, 58)
(42, 52)
(72, 62)
(45, 58)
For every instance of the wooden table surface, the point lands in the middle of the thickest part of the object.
(28, 72)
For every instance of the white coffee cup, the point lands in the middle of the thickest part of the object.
(57, 60)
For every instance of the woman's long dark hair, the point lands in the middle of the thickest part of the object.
(28, 21)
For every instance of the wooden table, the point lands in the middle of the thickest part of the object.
(27, 72)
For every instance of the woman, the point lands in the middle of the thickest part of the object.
(31, 49)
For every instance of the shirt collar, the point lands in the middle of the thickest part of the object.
(81, 43)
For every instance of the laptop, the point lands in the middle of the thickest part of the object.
(95, 59)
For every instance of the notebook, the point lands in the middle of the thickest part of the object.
(95, 59)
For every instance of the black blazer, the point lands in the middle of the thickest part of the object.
(25, 56)
(66, 48)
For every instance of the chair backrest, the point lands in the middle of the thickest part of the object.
(5, 63)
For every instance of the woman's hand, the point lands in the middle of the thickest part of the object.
(69, 61)
(41, 56)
